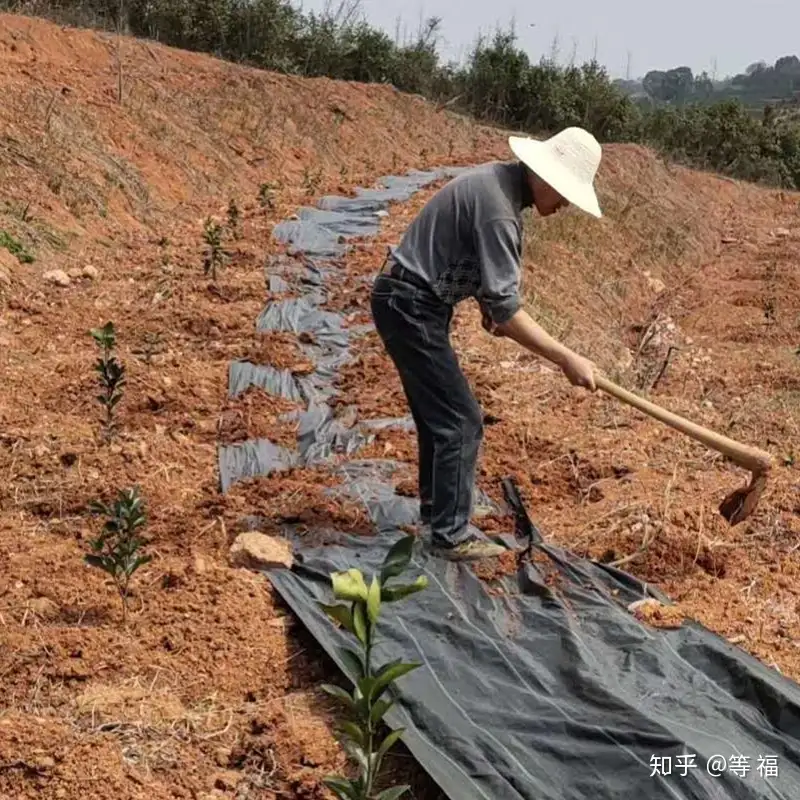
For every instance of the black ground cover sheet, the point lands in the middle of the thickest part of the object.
(553, 690)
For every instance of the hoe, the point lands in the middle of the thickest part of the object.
(740, 503)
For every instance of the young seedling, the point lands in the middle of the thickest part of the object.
(266, 196)
(117, 550)
(112, 375)
(312, 181)
(769, 309)
(366, 704)
(212, 234)
(234, 219)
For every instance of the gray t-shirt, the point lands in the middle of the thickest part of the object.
(467, 240)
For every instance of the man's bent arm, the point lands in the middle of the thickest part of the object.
(499, 245)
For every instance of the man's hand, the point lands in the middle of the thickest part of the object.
(579, 371)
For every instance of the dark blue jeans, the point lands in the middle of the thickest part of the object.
(414, 326)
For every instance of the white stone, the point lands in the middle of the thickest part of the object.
(58, 277)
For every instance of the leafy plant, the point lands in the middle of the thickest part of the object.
(366, 704)
(312, 180)
(266, 196)
(117, 550)
(15, 247)
(234, 219)
(214, 257)
(111, 372)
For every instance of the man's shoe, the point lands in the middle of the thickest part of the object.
(470, 550)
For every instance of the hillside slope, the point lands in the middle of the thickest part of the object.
(211, 691)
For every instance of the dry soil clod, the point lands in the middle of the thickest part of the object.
(257, 552)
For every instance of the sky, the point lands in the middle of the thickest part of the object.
(701, 34)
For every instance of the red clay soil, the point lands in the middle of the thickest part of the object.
(212, 690)
(279, 349)
(658, 615)
(256, 414)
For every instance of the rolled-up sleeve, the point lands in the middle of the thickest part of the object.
(498, 243)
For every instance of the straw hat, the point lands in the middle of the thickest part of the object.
(567, 161)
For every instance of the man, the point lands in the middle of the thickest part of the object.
(467, 242)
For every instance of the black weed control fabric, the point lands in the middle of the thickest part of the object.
(539, 686)
(548, 689)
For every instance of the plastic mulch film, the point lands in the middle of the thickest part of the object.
(542, 685)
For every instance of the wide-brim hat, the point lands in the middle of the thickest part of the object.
(567, 161)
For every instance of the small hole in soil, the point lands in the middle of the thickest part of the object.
(171, 581)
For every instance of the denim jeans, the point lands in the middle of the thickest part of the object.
(414, 326)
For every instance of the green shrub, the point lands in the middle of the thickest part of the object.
(366, 704)
(117, 550)
(15, 247)
(111, 375)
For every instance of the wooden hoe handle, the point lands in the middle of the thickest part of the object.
(757, 461)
